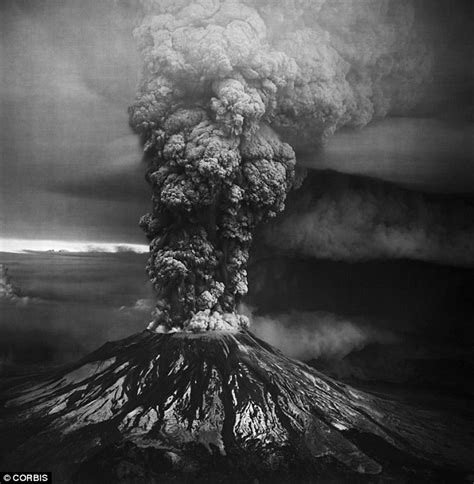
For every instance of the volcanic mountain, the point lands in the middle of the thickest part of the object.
(217, 407)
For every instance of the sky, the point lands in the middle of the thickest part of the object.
(71, 168)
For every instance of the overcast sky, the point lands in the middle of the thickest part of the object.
(70, 166)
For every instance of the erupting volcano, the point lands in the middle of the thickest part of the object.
(231, 93)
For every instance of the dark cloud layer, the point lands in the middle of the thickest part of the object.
(398, 295)
(427, 154)
(340, 217)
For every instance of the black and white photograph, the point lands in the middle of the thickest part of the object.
(237, 241)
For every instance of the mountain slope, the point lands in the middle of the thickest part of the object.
(161, 405)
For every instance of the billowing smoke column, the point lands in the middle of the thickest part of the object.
(223, 83)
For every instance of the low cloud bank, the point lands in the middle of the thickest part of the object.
(19, 246)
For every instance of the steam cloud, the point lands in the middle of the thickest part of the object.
(369, 220)
(225, 85)
(309, 335)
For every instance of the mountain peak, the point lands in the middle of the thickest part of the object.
(225, 399)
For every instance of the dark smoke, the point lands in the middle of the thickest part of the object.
(222, 82)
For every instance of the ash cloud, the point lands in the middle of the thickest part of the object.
(348, 218)
(225, 86)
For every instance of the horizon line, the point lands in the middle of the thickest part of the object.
(22, 246)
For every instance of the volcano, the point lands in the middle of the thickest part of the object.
(216, 407)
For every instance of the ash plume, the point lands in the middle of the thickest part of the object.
(225, 86)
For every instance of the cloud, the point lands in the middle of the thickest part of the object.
(221, 82)
(18, 246)
(429, 154)
(309, 335)
(118, 175)
(141, 305)
(349, 218)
